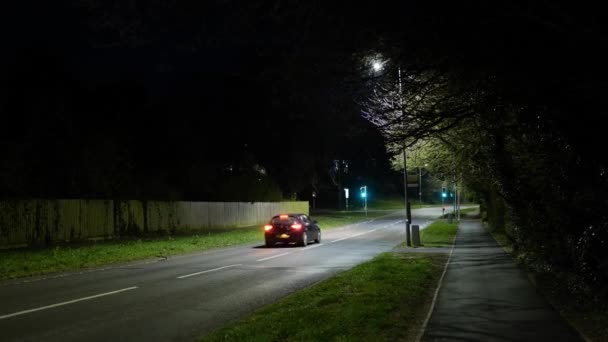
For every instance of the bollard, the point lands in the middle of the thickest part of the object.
(415, 235)
(450, 218)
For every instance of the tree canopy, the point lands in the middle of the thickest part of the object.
(513, 93)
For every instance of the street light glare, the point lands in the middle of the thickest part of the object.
(377, 66)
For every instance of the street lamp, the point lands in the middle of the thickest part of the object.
(408, 215)
(377, 66)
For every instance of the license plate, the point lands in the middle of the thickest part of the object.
(283, 236)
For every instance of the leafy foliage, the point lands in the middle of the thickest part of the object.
(506, 98)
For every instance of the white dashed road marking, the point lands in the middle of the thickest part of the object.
(274, 256)
(66, 303)
(207, 271)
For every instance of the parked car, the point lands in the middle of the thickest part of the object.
(286, 228)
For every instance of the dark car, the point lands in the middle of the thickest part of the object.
(286, 228)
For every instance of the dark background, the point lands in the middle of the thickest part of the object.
(259, 100)
(218, 100)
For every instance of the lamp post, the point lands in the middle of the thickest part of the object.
(408, 217)
(377, 66)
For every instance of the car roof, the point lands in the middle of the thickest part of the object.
(290, 214)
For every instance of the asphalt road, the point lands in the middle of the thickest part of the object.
(185, 297)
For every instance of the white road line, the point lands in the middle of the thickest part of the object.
(274, 256)
(207, 271)
(367, 232)
(66, 303)
(309, 247)
(348, 237)
(352, 236)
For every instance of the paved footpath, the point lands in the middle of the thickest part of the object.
(486, 297)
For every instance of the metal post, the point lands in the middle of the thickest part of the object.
(458, 203)
(420, 184)
(408, 239)
(365, 200)
(454, 199)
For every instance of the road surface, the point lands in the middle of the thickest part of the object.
(185, 297)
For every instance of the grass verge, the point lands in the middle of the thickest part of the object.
(438, 234)
(469, 213)
(335, 219)
(395, 204)
(385, 299)
(464, 213)
(29, 262)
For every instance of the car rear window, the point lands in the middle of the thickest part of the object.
(278, 220)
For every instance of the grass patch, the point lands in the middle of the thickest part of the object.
(396, 204)
(469, 213)
(29, 262)
(334, 219)
(437, 234)
(385, 299)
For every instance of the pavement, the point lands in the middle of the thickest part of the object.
(484, 296)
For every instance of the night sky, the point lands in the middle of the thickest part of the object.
(143, 99)
(164, 99)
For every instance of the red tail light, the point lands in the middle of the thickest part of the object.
(267, 227)
(296, 226)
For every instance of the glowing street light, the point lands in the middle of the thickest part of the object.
(377, 66)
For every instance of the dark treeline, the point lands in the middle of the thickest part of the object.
(516, 92)
(213, 100)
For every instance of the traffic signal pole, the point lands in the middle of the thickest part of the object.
(363, 191)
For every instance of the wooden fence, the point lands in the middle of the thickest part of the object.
(44, 222)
